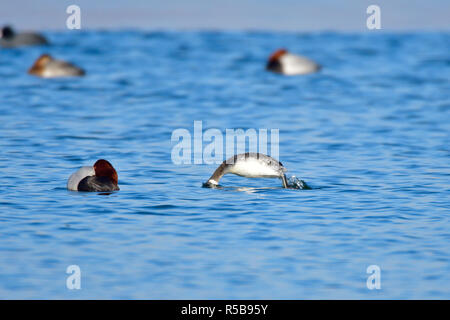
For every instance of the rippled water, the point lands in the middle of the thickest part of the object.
(370, 134)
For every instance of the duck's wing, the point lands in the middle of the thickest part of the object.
(97, 184)
(66, 68)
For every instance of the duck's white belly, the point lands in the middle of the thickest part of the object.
(51, 72)
(253, 168)
(293, 64)
(80, 174)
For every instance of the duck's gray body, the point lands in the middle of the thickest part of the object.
(250, 165)
(58, 68)
(10, 39)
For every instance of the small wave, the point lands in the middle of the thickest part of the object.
(293, 183)
(296, 183)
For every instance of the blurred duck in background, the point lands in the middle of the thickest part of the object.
(47, 67)
(284, 62)
(11, 39)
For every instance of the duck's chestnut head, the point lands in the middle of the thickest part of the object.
(103, 168)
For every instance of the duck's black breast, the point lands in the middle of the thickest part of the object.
(97, 184)
(274, 66)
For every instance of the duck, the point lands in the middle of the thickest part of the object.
(48, 67)
(250, 165)
(286, 63)
(101, 177)
(10, 39)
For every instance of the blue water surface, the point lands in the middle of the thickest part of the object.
(370, 133)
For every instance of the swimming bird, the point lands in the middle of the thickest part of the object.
(101, 177)
(47, 67)
(284, 62)
(250, 165)
(10, 39)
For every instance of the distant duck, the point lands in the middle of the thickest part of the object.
(47, 67)
(281, 61)
(250, 165)
(102, 177)
(11, 39)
